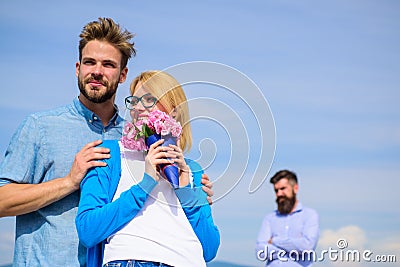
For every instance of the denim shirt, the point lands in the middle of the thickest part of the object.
(43, 148)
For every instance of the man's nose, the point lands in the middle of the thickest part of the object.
(98, 70)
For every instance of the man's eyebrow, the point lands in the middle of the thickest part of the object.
(86, 58)
(104, 61)
(110, 61)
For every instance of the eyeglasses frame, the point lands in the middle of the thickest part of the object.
(139, 99)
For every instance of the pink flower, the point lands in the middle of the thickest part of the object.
(134, 134)
(128, 126)
(176, 130)
(170, 125)
(133, 144)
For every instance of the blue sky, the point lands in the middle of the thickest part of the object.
(328, 71)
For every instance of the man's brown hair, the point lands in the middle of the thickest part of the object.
(105, 29)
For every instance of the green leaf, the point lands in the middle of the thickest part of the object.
(146, 130)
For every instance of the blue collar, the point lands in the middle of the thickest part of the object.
(91, 117)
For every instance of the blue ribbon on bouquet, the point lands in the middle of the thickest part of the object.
(170, 171)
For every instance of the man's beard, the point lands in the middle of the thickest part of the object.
(111, 89)
(286, 204)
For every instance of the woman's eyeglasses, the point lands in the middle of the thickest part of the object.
(148, 101)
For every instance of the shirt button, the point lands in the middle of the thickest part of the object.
(104, 130)
(90, 121)
(95, 118)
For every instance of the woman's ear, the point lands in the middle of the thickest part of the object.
(174, 113)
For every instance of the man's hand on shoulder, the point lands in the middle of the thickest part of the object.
(89, 156)
(207, 187)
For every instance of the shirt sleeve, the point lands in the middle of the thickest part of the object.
(264, 250)
(21, 156)
(198, 211)
(309, 238)
(98, 216)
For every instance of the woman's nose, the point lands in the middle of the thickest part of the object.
(133, 113)
(139, 106)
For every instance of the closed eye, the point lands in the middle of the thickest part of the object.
(110, 64)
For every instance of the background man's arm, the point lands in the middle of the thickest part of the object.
(308, 239)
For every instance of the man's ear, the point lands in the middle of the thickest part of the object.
(77, 67)
(296, 188)
(123, 75)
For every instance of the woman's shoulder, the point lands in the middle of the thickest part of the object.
(115, 151)
(110, 144)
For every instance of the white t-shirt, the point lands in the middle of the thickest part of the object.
(160, 232)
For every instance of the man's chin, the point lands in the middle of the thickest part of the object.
(96, 96)
(95, 99)
(281, 200)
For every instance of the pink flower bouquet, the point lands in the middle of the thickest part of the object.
(143, 133)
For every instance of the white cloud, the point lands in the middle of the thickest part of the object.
(387, 246)
(349, 237)
(353, 234)
(353, 239)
